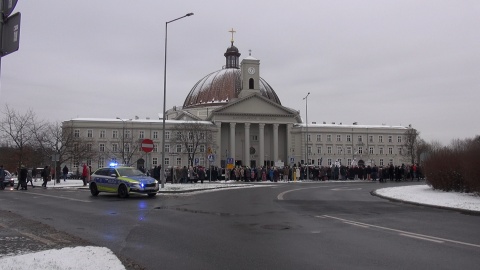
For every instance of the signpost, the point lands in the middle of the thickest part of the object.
(10, 27)
(147, 145)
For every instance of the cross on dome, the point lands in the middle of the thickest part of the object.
(233, 32)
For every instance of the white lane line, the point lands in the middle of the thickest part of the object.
(355, 224)
(422, 238)
(432, 238)
(58, 197)
(280, 196)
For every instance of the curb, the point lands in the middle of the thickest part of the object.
(463, 211)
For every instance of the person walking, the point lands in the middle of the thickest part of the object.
(2, 177)
(65, 173)
(34, 174)
(29, 178)
(22, 178)
(85, 174)
(45, 175)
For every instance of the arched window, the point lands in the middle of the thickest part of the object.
(250, 84)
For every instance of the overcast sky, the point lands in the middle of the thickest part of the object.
(371, 62)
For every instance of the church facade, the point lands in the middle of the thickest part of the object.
(246, 125)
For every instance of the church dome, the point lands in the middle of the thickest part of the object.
(221, 86)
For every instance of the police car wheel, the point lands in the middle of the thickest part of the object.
(122, 191)
(94, 189)
(152, 194)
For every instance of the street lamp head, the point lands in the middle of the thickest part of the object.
(189, 14)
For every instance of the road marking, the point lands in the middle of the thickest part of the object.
(355, 224)
(404, 233)
(29, 235)
(342, 189)
(280, 196)
(422, 238)
(58, 197)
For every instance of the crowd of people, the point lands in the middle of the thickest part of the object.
(275, 174)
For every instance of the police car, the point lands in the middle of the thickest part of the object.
(122, 180)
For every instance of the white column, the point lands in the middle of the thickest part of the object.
(261, 131)
(275, 142)
(219, 154)
(247, 145)
(232, 140)
(289, 144)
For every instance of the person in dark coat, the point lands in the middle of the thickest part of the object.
(22, 178)
(45, 176)
(65, 173)
(201, 175)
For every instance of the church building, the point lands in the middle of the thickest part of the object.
(247, 124)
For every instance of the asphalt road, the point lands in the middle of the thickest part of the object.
(283, 226)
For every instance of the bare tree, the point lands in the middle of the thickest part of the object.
(16, 130)
(193, 136)
(411, 143)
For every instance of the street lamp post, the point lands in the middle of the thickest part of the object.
(123, 139)
(306, 129)
(162, 170)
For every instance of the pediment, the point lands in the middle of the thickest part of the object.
(186, 116)
(254, 104)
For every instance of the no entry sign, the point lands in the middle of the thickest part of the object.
(147, 145)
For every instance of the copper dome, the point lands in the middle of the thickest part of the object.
(218, 87)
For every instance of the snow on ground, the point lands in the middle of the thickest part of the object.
(64, 259)
(104, 258)
(424, 194)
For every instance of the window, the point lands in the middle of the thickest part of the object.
(371, 150)
(360, 139)
(76, 133)
(349, 162)
(339, 150)
(167, 162)
(128, 133)
(254, 138)
(178, 161)
(329, 162)
(319, 149)
(308, 137)
(101, 147)
(102, 134)
(89, 147)
(349, 150)
(89, 133)
(380, 149)
(141, 134)
(380, 138)
(75, 162)
(75, 147)
(167, 135)
(167, 148)
(381, 162)
(370, 138)
(360, 150)
(190, 148)
(399, 139)
(319, 162)
(349, 138)
(391, 161)
(155, 147)
(339, 138)
(329, 149)
(399, 150)
(114, 147)
(202, 136)
(319, 138)
(329, 137)
(101, 162)
(179, 148)
(190, 135)
(127, 148)
(155, 134)
(89, 162)
(390, 139)
(309, 150)
(390, 150)
(115, 134)
(202, 148)
(202, 161)
(154, 161)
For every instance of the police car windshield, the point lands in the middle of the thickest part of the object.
(129, 172)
